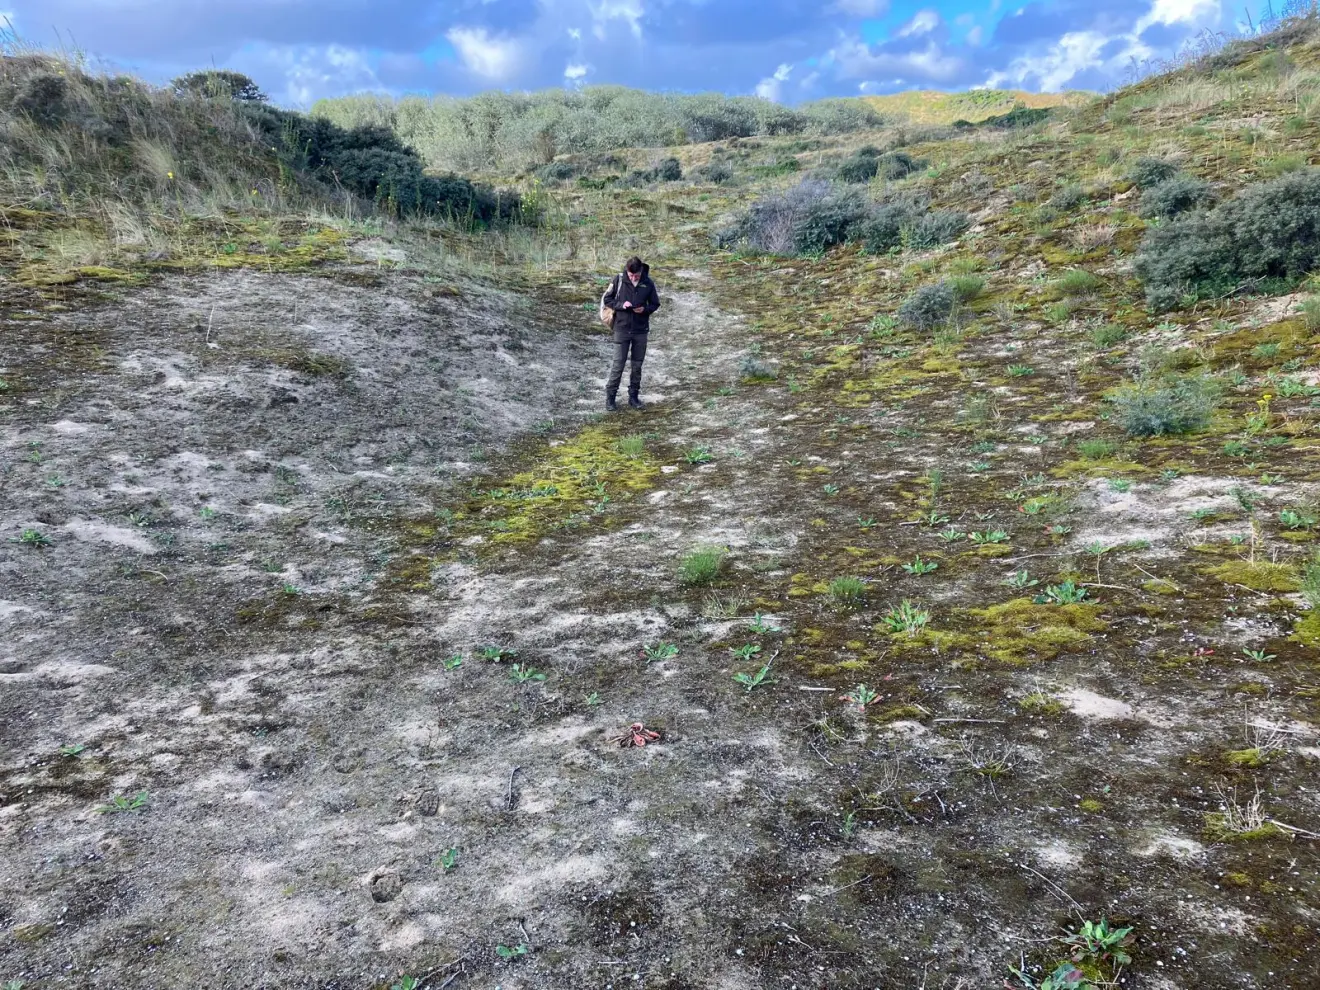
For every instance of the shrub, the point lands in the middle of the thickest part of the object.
(1179, 405)
(929, 307)
(1174, 196)
(966, 287)
(1108, 335)
(556, 172)
(859, 168)
(899, 165)
(717, 173)
(701, 566)
(1310, 312)
(1268, 237)
(755, 369)
(807, 218)
(882, 230)
(1068, 197)
(1079, 282)
(669, 170)
(839, 116)
(1149, 171)
(936, 228)
(218, 84)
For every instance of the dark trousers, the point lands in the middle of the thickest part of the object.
(636, 346)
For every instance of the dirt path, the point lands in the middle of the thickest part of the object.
(334, 800)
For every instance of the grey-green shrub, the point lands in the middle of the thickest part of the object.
(899, 165)
(935, 228)
(1149, 171)
(1067, 197)
(860, 167)
(1170, 405)
(807, 218)
(929, 307)
(717, 173)
(1174, 196)
(1267, 237)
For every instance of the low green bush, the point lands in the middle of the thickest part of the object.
(935, 228)
(1174, 196)
(1150, 171)
(929, 307)
(1265, 239)
(1170, 405)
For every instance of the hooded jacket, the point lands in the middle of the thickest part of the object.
(628, 322)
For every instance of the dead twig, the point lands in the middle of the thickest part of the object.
(1304, 833)
(509, 799)
(979, 721)
(440, 969)
(836, 890)
(1056, 889)
(1171, 584)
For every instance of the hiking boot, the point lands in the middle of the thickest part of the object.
(610, 404)
(635, 402)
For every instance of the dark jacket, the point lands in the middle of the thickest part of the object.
(628, 322)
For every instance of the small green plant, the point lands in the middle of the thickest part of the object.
(847, 592)
(1119, 485)
(1260, 656)
(1094, 449)
(701, 566)
(1079, 282)
(120, 803)
(951, 535)
(594, 700)
(906, 618)
(632, 446)
(866, 523)
(1021, 370)
(849, 826)
(988, 537)
(1096, 942)
(1107, 336)
(1021, 579)
(406, 983)
(1066, 976)
(497, 654)
(32, 538)
(524, 674)
(1294, 519)
(449, 860)
(919, 566)
(509, 953)
(73, 749)
(700, 454)
(753, 681)
(861, 696)
(966, 287)
(745, 652)
(659, 652)
(453, 662)
(1066, 593)
(1181, 405)
(831, 489)
(290, 589)
(1311, 581)
(760, 624)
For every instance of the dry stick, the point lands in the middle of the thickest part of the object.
(1110, 587)
(1161, 580)
(831, 893)
(979, 721)
(1304, 833)
(438, 970)
(1055, 887)
(509, 800)
(208, 325)
(804, 688)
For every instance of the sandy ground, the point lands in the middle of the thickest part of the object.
(330, 803)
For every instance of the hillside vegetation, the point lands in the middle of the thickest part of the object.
(961, 580)
(935, 107)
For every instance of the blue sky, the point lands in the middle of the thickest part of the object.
(788, 50)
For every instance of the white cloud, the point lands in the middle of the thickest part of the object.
(772, 88)
(1179, 12)
(856, 61)
(1050, 71)
(617, 10)
(974, 36)
(574, 72)
(924, 22)
(310, 73)
(859, 8)
(493, 58)
(575, 34)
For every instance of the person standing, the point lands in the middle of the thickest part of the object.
(633, 298)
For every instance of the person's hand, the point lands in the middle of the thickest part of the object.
(627, 305)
